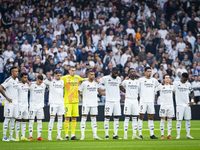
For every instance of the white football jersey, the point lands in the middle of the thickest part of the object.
(23, 94)
(166, 95)
(147, 89)
(37, 95)
(89, 91)
(56, 91)
(112, 87)
(132, 89)
(182, 91)
(11, 87)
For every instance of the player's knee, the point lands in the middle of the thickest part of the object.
(23, 120)
(107, 117)
(67, 118)
(73, 118)
(150, 117)
(116, 117)
(141, 116)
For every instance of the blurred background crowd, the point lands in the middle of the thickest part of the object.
(39, 36)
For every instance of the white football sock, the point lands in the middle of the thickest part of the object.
(83, 120)
(31, 128)
(187, 126)
(140, 124)
(106, 126)
(116, 126)
(169, 126)
(17, 127)
(23, 129)
(94, 126)
(134, 125)
(5, 126)
(59, 126)
(126, 122)
(178, 127)
(151, 127)
(162, 126)
(39, 128)
(51, 122)
(11, 127)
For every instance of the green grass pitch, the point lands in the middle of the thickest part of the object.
(89, 143)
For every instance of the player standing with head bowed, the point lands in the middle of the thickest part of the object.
(166, 105)
(182, 90)
(147, 87)
(112, 84)
(37, 91)
(23, 113)
(90, 89)
(56, 102)
(131, 109)
(71, 100)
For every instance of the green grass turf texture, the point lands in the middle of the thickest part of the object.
(89, 143)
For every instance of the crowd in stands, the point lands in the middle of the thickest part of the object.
(39, 36)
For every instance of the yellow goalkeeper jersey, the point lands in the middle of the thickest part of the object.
(71, 88)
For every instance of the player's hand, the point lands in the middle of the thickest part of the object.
(163, 83)
(127, 78)
(10, 100)
(97, 81)
(29, 84)
(190, 104)
(50, 78)
(171, 83)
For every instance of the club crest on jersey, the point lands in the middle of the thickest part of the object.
(152, 81)
(109, 80)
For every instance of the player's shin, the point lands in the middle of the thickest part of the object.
(17, 128)
(134, 125)
(59, 127)
(126, 122)
(83, 120)
(73, 127)
(39, 128)
(169, 126)
(178, 127)
(106, 126)
(11, 127)
(23, 129)
(162, 126)
(66, 125)
(94, 126)
(31, 128)
(151, 127)
(116, 126)
(187, 126)
(51, 122)
(5, 126)
(140, 125)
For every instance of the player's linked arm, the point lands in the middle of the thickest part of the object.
(122, 89)
(101, 92)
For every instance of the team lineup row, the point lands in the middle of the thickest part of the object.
(17, 109)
